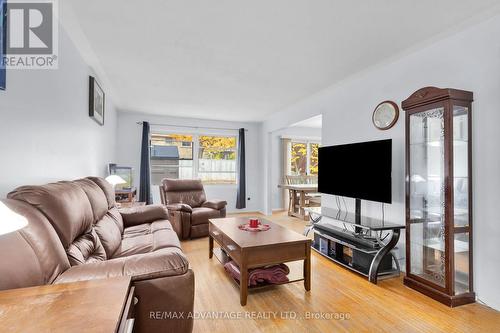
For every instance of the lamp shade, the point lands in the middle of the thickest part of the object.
(10, 221)
(115, 180)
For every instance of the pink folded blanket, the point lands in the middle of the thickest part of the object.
(274, 274)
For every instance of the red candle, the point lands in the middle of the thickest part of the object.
(254, 223)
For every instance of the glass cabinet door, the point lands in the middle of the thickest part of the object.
(461, 198)
(427, 195)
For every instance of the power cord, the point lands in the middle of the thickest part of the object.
(383, 220)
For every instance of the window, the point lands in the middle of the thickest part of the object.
(304, 158)
(173, 156)
(217, 159)
(299, 158)
(313, 158)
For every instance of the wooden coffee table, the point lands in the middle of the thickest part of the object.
(256, 249)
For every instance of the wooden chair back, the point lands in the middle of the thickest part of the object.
(302, 179)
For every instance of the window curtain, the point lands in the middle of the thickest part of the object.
(241, 194)
(286, 167)
(145, 177)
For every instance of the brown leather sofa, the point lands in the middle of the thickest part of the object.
(188, 206)
(76, 232)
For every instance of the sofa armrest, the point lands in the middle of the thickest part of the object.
(181, 222)
(215, 204)
(173, 294)
(160, 263)
(180, 208)
(143, 214)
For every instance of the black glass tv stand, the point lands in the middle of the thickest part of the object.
(357, 243)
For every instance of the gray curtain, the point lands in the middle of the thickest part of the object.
(241, 201)
(286, 149)
(145, 178)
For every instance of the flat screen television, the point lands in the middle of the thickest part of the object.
(358, 170)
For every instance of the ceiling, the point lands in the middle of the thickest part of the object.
(243, 60)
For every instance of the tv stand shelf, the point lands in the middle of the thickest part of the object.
(346, 242)
(368, 256)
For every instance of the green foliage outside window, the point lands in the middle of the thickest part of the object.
(299, 158)
(217, 147)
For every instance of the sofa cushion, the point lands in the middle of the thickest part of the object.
(85, 249)
(117, 218)
(201, 215)
(147, 228)
(109, 234)
(65, 205)
(33, 255)
(96, 197)
(107, 188)
(164, 262)
(108, 221)
(149, 238)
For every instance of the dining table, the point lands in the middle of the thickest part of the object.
(298, 194)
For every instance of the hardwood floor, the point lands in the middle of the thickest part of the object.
(347, 301)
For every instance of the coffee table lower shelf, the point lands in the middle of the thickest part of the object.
(295, 275)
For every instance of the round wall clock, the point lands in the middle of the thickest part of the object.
(386, 115)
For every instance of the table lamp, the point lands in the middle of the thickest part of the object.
(10, 221)
(115, 180)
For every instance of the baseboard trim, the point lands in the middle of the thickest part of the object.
(244, 212)
(259, 212)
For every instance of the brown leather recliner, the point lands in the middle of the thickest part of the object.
(188, 206)
(76, 232)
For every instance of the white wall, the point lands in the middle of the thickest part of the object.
(45, 131)
(129, 152)
(468, 60)
(299, 133)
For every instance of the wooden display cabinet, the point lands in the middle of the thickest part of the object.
(439, 194)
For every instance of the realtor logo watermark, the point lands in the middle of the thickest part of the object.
(32, 34)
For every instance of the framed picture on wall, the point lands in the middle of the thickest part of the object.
(96, 101)
(3, 42)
